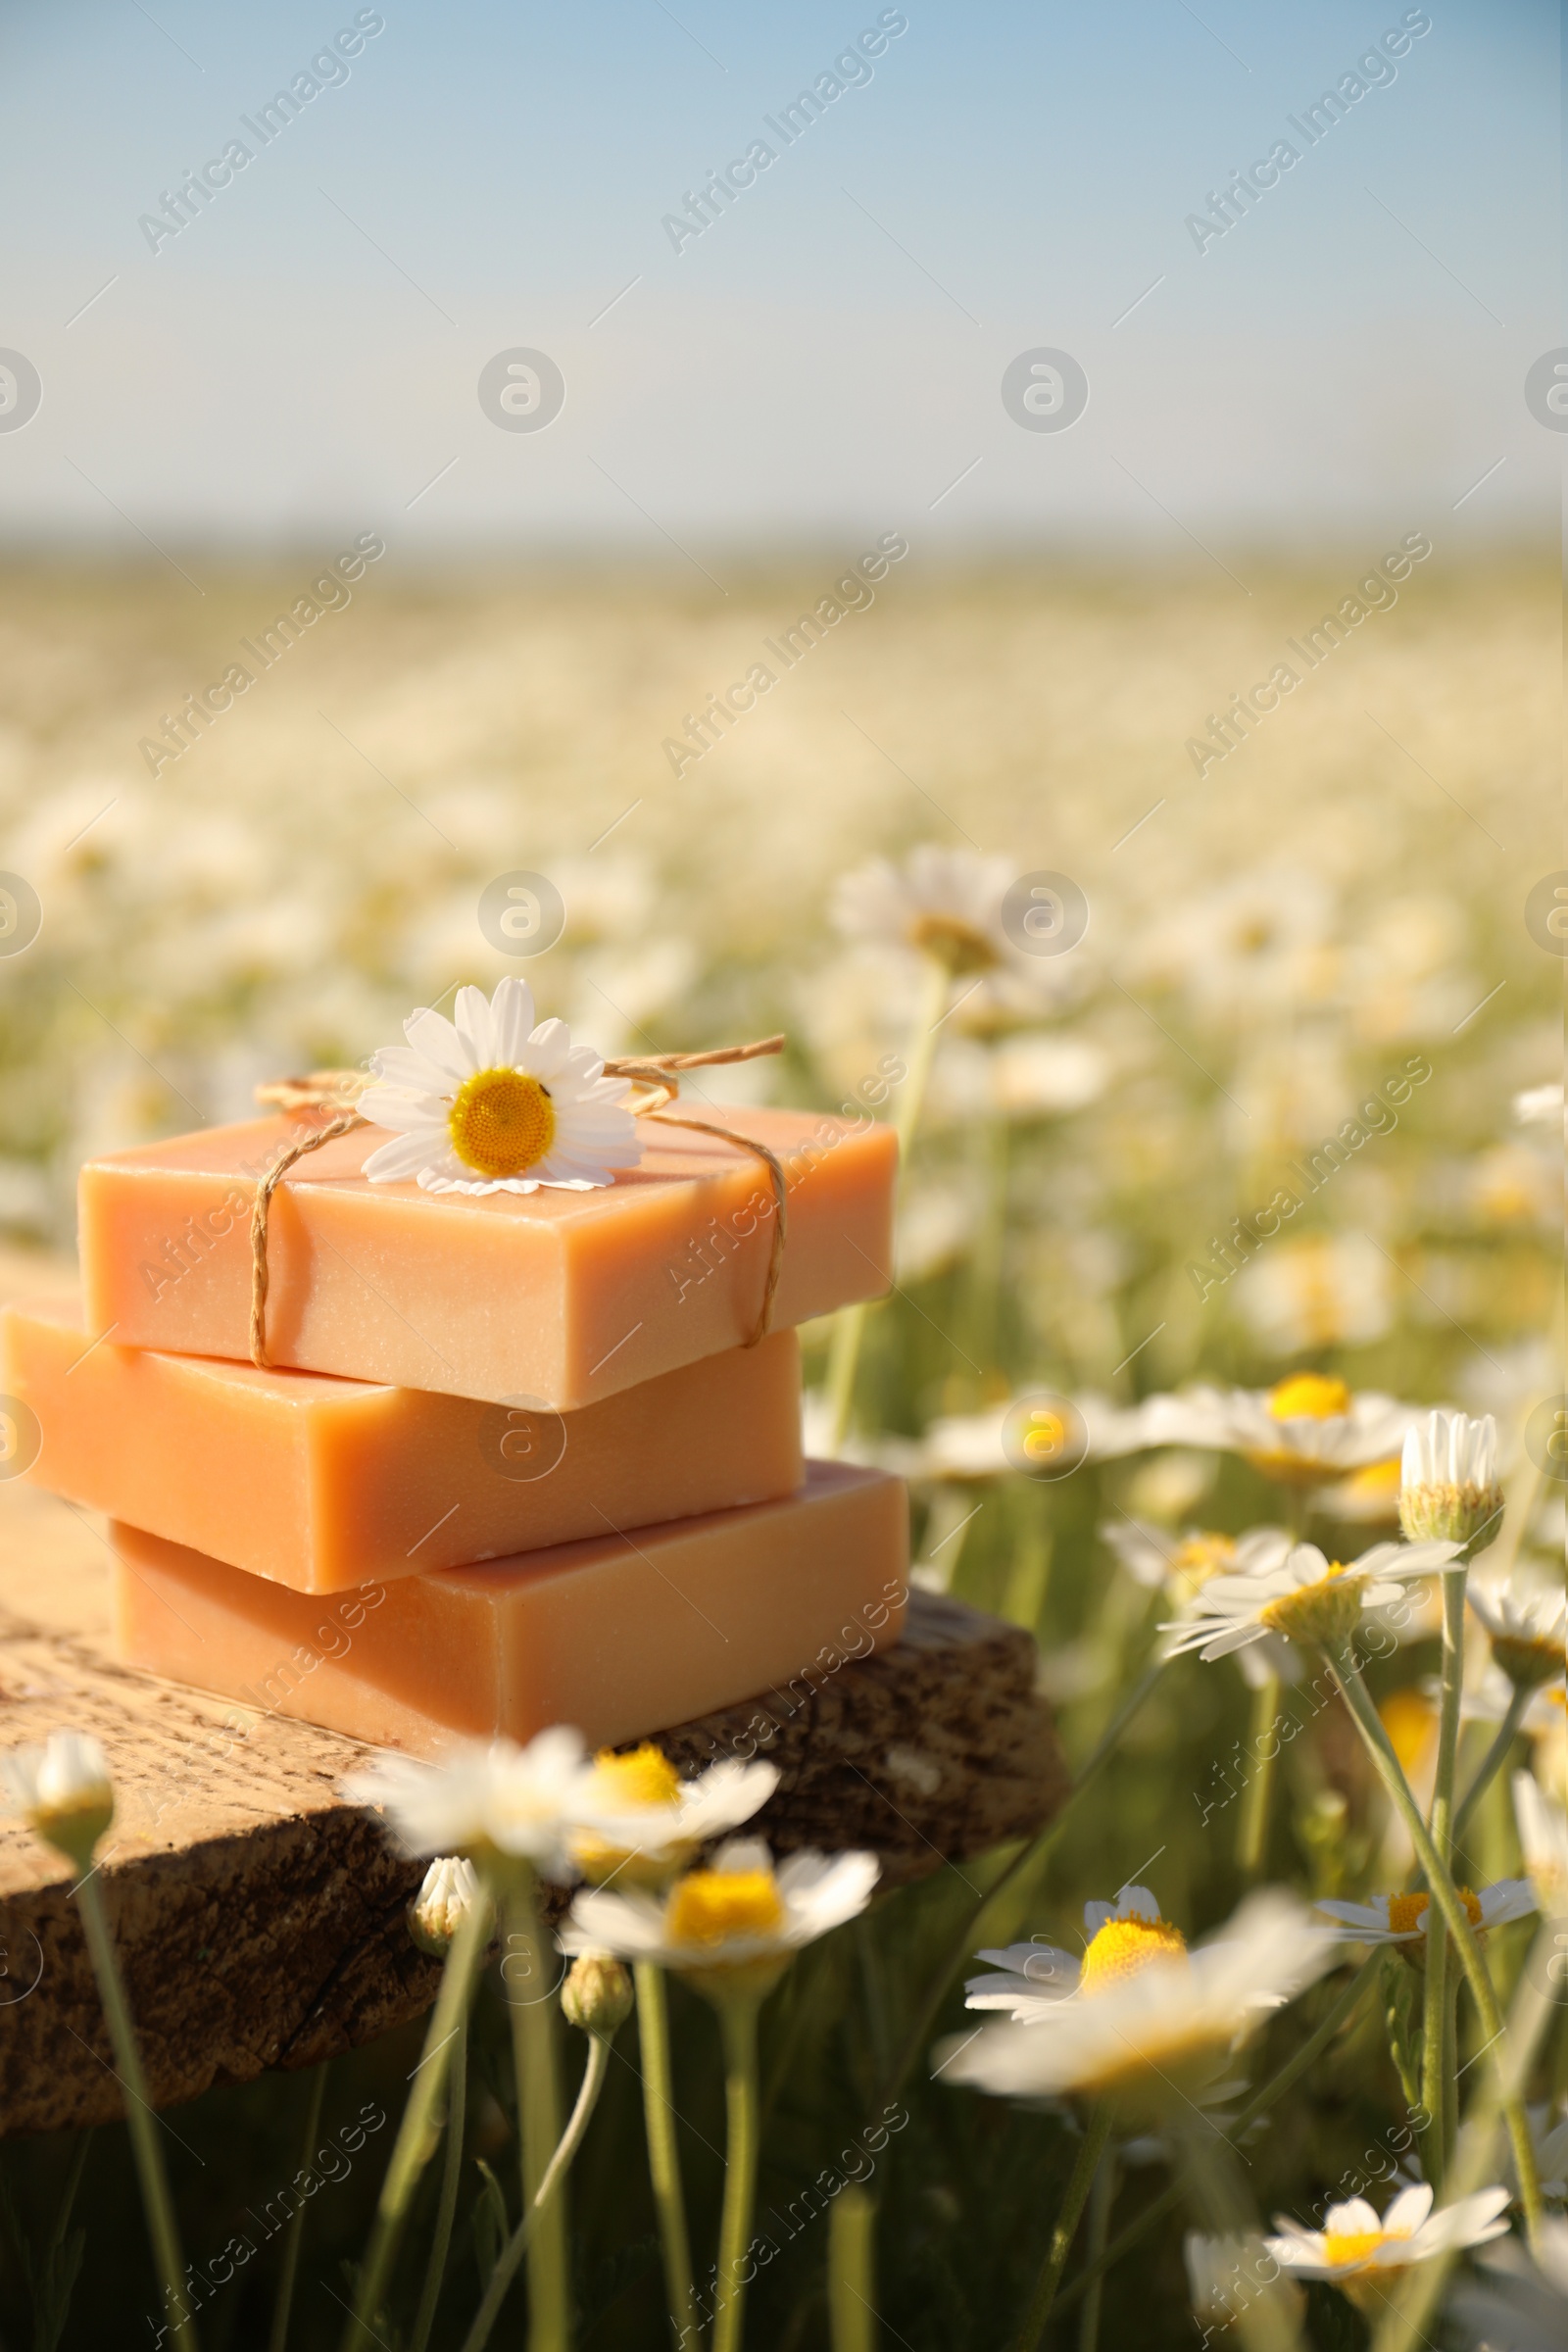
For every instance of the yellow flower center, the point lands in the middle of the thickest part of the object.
(711, 1906)
(501, 1122)
(1122, 1946)
(958, 945)
(646, 1777)
(1355, 2246)
(1324, 1611)
(1407, 1911)
(1317, 1396)
(1200, 1557)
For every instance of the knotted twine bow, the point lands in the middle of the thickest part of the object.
(654, 1075)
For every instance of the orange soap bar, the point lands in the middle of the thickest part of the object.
(620, 1635)
(325, 1483)
(560, 1298)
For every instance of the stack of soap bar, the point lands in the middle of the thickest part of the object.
(512, 1462)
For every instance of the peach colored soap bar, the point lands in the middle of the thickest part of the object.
(619, 1635)
(325, 1483)
(564, 1297)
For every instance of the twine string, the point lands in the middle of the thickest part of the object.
(654, 1074)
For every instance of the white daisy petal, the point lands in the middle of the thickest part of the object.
(512, 1018)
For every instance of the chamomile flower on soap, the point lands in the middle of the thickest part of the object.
(1402, 1919)
(1522, 2304)
(683, 1814)
(1305, 1428)
(1304, 1597)
(1154, 2024)
(502, 1802)
(1363, 2256)
(489, 1102)
(732, 1928)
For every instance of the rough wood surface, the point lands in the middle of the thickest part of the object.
(260, 1920)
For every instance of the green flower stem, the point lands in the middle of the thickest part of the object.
(1102, 2198)
(284, 2303)
(451, 2177)
(536, 2057)
(1089, 2150)
(1447, 1905)
(1406, 2325)
(1252, 1829)
(663, 2154)
(737, 2012)
(140, 2120)
(963, 1943)
(849, 1324)
(545, 2199)
(1435, 2013)
(851, 2269)
(416, 2132)
(1493, 1761)
(1291, 2072)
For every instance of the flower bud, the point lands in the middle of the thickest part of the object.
(597, 1994)
(65, 1790)
(450, 1892)
(1449, 1487)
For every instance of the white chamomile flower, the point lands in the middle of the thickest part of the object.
(502, 1802)
(64, 1790)
(1185, 1564)
(1448, 1478)
(487, 1103)
(732, 1928)
(1363, 2256)
(683, 1814)
(1523, 2304)
(1307, 1428)
(1154, 2028)
(1525, 1624)
(1402, 1919)
(450, 1890)
(1304, 1597)
(945, 903)
(1543, 1841)
(1122, 1938)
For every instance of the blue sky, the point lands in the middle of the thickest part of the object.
(825, 358)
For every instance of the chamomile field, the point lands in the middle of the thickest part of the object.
(1233, 1152)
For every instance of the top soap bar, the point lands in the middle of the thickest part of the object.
(557, 1298)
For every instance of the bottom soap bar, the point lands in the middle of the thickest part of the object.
(620, 1635)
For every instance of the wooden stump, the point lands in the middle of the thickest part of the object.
(260, 1920)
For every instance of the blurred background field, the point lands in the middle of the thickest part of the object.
(1340, 899)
